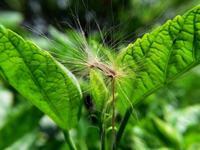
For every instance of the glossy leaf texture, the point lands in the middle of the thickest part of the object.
(36, 75)
(164, 54)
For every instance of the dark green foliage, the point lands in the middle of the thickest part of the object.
(19, 124)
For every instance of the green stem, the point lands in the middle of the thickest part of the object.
(123, 124)
(69, 141)
(113, 115)
(103, 136)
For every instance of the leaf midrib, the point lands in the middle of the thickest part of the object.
(32, 76)
(193, 64)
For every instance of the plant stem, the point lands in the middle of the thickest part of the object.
(123, 124)
(69, 141)
(113, 115)
(103, 136)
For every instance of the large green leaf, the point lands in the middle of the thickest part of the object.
(161, 56)
(39, 78)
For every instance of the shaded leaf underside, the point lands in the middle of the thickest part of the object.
(39, 78)
(161, 56)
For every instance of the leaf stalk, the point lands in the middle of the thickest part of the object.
(69, 141)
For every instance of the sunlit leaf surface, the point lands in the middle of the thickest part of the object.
(39, 78)
(161, 56)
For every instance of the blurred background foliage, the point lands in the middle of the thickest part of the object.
(169, 119)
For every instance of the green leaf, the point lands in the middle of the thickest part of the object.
(191, 140)
(170, 135)
(163, 55)
(6, 101)
(10, 19)
(37, 76)
(184, 118)
(18, 124)
(98, 90)
(26, 142)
